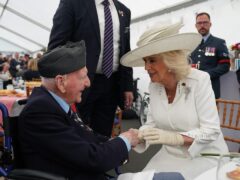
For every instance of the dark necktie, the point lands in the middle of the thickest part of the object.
(107, 62)
(74, 116)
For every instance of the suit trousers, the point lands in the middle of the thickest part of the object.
(99, 107)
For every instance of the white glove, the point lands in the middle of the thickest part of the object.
(140, 136)
(159, 136)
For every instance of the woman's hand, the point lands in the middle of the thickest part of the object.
(159, 136)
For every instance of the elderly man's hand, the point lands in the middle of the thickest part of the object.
(159, 136)
(132, 136)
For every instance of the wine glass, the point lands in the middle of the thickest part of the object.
(228, 167)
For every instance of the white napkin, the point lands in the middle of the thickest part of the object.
(146, 175)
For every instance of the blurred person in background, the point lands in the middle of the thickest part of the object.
(5, 75)
(1, 59)
(15, 65)
(32, 73)
(39, 55)
(211, 55)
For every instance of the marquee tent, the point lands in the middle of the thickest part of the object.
(25, 25)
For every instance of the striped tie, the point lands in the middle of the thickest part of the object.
(107, 62)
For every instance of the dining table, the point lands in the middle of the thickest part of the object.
(211, 174)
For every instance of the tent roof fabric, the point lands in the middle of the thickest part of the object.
(25, 25)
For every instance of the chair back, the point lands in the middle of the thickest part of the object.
(11, 155)
(18, 160)
(13, 126)
(30, 85)
(13, 168)
(229, 113)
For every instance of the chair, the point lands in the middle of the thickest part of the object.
(229, 113)
(30, 85)
(117, 124)
(11, 161)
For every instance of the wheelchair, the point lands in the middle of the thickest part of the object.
(11, 166)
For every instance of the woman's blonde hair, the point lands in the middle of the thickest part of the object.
(177, 62)
(32, 64)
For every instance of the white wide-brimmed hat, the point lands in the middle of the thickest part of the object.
(160, 39)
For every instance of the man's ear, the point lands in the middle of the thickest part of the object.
(61, 83)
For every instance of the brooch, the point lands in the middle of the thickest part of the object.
(187, 90)
(121, 13)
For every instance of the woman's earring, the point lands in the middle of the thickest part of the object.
(169, 70)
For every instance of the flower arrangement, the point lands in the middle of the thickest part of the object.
(235, 46)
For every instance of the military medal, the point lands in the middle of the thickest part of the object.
(207, 51)
(212, 50)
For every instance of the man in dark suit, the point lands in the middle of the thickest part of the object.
(90, 20)
(15, 65)
(212, 54)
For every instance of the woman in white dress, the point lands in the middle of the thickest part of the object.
(183, 116)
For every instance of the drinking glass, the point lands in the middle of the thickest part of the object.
(229, 167)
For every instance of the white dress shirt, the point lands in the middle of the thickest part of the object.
(116, 34)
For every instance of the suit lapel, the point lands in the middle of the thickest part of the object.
(92, 11)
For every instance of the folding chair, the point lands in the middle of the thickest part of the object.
(11, 160)
(229, 113)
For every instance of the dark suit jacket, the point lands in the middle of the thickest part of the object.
(77, 20)
(13, 70)
(51, 141)
(213, 57)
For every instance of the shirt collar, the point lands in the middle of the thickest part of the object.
(98, 2)
(65, 106)
(206, 37)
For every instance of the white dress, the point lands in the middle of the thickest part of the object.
(192, 113)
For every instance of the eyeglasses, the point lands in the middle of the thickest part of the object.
(203, 23)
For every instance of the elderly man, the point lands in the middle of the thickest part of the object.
(53, 138)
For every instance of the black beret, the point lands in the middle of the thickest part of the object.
(63, 60)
